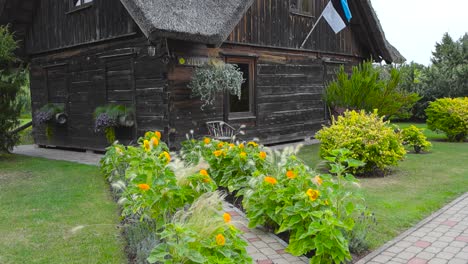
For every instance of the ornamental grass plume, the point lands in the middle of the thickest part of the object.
(203, 215)
(318, 180)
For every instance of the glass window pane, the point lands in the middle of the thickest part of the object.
(242, 105)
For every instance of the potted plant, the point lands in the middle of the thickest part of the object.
(109, 117)
(216, 76)
(49, 114)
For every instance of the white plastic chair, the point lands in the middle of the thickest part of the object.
(221, 130)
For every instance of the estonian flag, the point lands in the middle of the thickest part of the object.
(337, 14)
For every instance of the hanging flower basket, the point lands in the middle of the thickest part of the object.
(48, 115)
(213, 77)
(108, 118)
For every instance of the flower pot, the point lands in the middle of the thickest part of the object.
(126, 121)
(61, 118)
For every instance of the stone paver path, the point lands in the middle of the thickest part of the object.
(439, 239)
(264, 247)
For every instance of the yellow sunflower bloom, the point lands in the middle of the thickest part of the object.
(291, 174)
(313, 194)
(227, 217)
(218, 153)
(220, 240)
(204, 172)
(206, 141)
(271, 180)
(165, 155)
(143, 186)
(157, 134)
(146, 145)
(155, 141)
(262, 155)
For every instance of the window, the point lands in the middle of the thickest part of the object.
(80, 4)
(303, 7)
(243, 107)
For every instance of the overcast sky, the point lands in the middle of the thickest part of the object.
(414, 26)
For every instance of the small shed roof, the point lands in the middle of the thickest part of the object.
(206, 21)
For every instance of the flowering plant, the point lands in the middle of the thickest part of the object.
(108, 117)
(232, 165)
(46, 114)
(316, 209)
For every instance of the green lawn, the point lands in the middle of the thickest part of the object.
(420, 185)
(56, 212)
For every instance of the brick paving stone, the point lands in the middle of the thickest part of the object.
(425, 255)
(422, 244)
(458, 261)
(462, 238)
(417, 261)
(451, 249)
(437, 261)
(445, 255)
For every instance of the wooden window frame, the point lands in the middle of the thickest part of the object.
(297, 11)
(251, 114)
(82, 6)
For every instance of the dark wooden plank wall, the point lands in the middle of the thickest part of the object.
(288, 87)
(120, 72)
(54, 27)
(270, 23)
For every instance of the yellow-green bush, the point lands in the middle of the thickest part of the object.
(367, 136)
(414, 137)
(449, 115)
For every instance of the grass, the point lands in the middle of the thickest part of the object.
(420, 185)
(56, 212)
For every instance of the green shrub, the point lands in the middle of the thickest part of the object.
(367, 90)
(11, 80)
(449, 115)
(414, 137)
(368, 138)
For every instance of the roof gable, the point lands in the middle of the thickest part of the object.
(206, 21)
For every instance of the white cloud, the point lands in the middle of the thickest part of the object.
(414, 26)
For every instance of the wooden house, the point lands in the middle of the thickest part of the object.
(141, 53)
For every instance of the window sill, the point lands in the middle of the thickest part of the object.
(240, 116)
(79, 8)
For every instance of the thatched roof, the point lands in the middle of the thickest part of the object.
(370, 27)
(206, 21)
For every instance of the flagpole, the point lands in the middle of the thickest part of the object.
(312, 30)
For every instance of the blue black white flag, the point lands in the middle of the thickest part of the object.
(337, 14)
